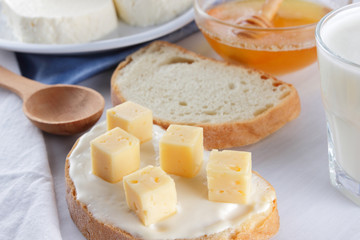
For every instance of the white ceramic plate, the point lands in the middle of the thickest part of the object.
(123, 36)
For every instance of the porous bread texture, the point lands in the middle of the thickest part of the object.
(236, 106)
(145, 13)
(258, 227)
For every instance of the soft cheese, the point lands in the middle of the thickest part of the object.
(196, 215)
(133, 118)
(59, 22)
(229, 176)
(151, 193)
(150, 12)
(181, 150)
(114, 155)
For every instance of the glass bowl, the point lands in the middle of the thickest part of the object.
(285, 48)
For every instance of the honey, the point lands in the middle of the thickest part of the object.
(287, 48)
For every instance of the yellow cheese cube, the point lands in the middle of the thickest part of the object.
(151, 193)
(115, 154)
(133, 118)
(181, 150)
(229, 176)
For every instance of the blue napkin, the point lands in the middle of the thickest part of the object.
(53, 69)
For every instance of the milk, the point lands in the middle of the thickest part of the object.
(340, 84)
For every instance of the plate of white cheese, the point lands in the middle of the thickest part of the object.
(83, 26)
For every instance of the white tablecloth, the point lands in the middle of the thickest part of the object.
(293, 160)
(27, 201)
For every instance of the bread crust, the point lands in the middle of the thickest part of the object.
(228, 134)
(259, 227)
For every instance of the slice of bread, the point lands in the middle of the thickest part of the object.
(236, 106)
(262, 226)
(108, 220)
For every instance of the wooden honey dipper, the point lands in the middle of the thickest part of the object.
(262, 19)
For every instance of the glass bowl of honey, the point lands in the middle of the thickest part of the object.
(286, 46)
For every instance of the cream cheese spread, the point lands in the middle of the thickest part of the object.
(59, 22)
(150, 12)
(196, 215)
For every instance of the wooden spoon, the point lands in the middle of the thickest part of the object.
(263, 19)
(57, 109)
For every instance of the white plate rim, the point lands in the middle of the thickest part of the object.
(101, 45)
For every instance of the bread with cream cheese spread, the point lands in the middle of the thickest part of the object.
(258, 226)
(234, 105)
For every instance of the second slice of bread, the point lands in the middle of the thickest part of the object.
(236, 106)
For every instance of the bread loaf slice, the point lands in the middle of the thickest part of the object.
(262, 226)
(100, 212)
(236, 106)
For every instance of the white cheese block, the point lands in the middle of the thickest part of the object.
(59, 22)
(150, 12)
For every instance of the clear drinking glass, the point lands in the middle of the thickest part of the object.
(338, 49)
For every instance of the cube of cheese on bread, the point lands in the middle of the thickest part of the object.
(229, 176)
(133, 118)
(114, 155)
(151, 193)
(181, 150)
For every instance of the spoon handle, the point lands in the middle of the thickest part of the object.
(22, 86)
(270, 8)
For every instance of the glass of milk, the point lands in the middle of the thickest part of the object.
(338, 49)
